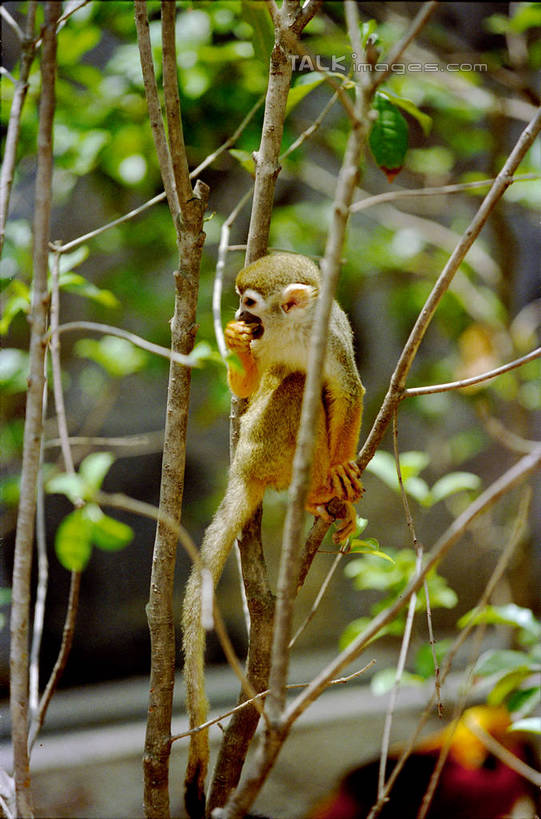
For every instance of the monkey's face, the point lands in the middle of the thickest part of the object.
(284, 316)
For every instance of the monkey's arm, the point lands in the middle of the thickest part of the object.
(343, 410)
(238, 336)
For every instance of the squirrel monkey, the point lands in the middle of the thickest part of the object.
(271, 337)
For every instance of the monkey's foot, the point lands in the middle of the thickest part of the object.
(349, 519)
(345, 481)
(348, 525)
(238, 336)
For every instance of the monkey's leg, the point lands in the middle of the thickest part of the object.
(344, 419)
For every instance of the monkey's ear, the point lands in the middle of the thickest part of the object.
(297, 296)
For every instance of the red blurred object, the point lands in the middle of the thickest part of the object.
(474, 784)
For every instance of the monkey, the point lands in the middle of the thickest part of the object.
(270, 336)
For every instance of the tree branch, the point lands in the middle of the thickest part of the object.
(476, 379)
(33, 426)
(513, 477)
(398, 379)
(14, 125)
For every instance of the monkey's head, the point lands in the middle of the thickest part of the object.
(277, 291)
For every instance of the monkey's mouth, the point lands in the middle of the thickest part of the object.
(254, 321)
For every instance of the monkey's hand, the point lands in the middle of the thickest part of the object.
(238, 336)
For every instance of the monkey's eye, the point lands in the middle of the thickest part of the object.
(249, 302)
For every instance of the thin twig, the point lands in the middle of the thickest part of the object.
(12, 23)
(220, 269)
(501, 486)
(161, 196)
(138, 444)
(398, 379)
(172, 105)
(109, 329)
(42, 581)
(154, 111)
(118, 500)
(504, 754)
(500, 433)
(386, 735)
(393, 196)
(262, 695)
(476, 379)
(14, 125)
(33, 426)
(69, 467)
(419, 22)
(495, 578)
(319, 597)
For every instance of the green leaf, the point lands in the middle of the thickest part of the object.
(73, 486)
(412, 463)
(245, 160)
(424, 661)
(110, 534)
(383, 466)
(507, 683)
(257, 16)
(362, 523)
(70, 260)
(500, 661)
(407, 105)
(5, 596)
(452, 483)
(508, 615)
(532, 725)
(388, 137)
(383, 681)
(368, 29)
(13, 370)
(117, 356)
(522, 702)
(370, 547)
(303, 86)
(356, 627)
(418, 489)
(77, 284)
(94, 468)
(18, 301)
(73, 541)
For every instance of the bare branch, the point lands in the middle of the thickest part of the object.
(172, 103)
(502, 485)
(398, 379)
(476, 379)
(12, 23)
(33, 422)
(423, 15)
(497, 574)
(262, 695)
(440, 190)
(109, 329)
(319, 597)
(154, 110)
(406, 638)
(14, 125)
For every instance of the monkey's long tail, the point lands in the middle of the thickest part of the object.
(240, 501)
